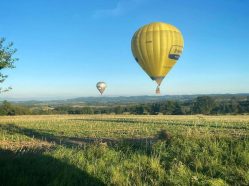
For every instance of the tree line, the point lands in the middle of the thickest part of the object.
(201, 105)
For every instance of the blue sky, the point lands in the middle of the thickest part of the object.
(65, 47)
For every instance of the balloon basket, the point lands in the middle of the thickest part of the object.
(158, 90)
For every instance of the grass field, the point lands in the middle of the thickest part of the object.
(124, 150)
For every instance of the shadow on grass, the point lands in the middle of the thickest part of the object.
(142, 145)
(132, 121)
(30, 168)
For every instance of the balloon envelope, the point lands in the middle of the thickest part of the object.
(101, 86)
(156, 47)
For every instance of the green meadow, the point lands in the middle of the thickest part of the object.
(124, 150)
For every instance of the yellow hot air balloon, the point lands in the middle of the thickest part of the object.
(156, 47)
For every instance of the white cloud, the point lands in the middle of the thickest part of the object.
(122, 7)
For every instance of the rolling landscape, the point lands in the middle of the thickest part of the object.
(124, 93)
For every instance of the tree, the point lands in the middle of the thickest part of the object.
(6, 108)
(155, 108)
(87, 110)
(9, 109)
(6, 60)
(139, 109)
(203, 105)
(118, 110)
(234, 105)
(178, 109)
(168, 107)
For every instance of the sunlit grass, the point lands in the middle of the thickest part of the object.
(126, 150)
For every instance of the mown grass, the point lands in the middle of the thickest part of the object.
(124, 150)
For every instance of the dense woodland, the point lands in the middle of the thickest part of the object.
(207, 105)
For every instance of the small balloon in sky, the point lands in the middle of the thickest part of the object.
(101, 86)
(156, 47)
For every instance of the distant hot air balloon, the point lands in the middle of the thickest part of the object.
(101, 86)
(156, 47)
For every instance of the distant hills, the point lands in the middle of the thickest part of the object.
(124, 100)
